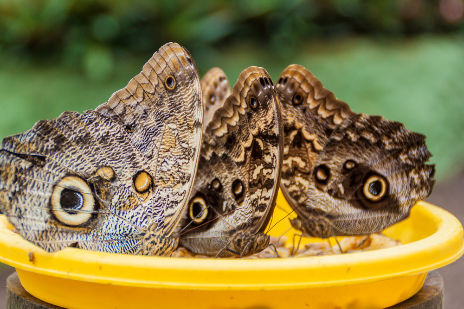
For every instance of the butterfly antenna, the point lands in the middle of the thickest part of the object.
(286, 216)
(280, 237)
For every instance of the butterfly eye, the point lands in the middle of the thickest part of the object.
(322, 174)
(375, 188)
(198, 211)
(297, 99)
(72, 201)
(253, 102)
(237, 188)
(142, 182)
(170, 83)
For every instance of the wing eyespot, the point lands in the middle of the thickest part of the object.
(198, 210)
(212, 99)
(297, 99)
(72, 201)
(216, 184)
(322, 174)
(170, 83)
(230, 140)
(253, 102)
(375, 188)
(349, 165)
(238, 189)
(142, 182)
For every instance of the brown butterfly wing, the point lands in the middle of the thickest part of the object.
(346, 173)
(215, 90)
(239, 171)
(161, 109)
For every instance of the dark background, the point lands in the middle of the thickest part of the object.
(401, 59)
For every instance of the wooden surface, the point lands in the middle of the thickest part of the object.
(429, 297)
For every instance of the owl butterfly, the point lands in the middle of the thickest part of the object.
(345, 173)
(238, 175)
(114, 179)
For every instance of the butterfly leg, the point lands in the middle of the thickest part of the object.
(298, 246)
(273, 248)
(339, 246)
(244, 249)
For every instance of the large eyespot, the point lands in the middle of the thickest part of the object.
(72, 201)
(170, 82)
(297, 99)
(375, 188)
(198, 210)
(322, 174)
(142, 182)
(253, 102)
(237, 188)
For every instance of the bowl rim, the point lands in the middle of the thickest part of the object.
(439, 249)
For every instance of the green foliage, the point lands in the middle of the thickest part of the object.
(88, 33)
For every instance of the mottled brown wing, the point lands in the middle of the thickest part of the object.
(161, 109)
(215, 90)
(345, 173)
(88, 181)
(238, 175)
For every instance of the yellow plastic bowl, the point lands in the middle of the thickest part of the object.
(75, 278)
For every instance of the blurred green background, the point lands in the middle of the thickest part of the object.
(401, 59)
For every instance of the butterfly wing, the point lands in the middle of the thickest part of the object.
(162, 111)
(66, 181)
(346, 173)
(238, 175)
(125, 170)
(215, 90)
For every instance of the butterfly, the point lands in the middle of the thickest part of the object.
(237, 181)
(345, 173)
(113, 179)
